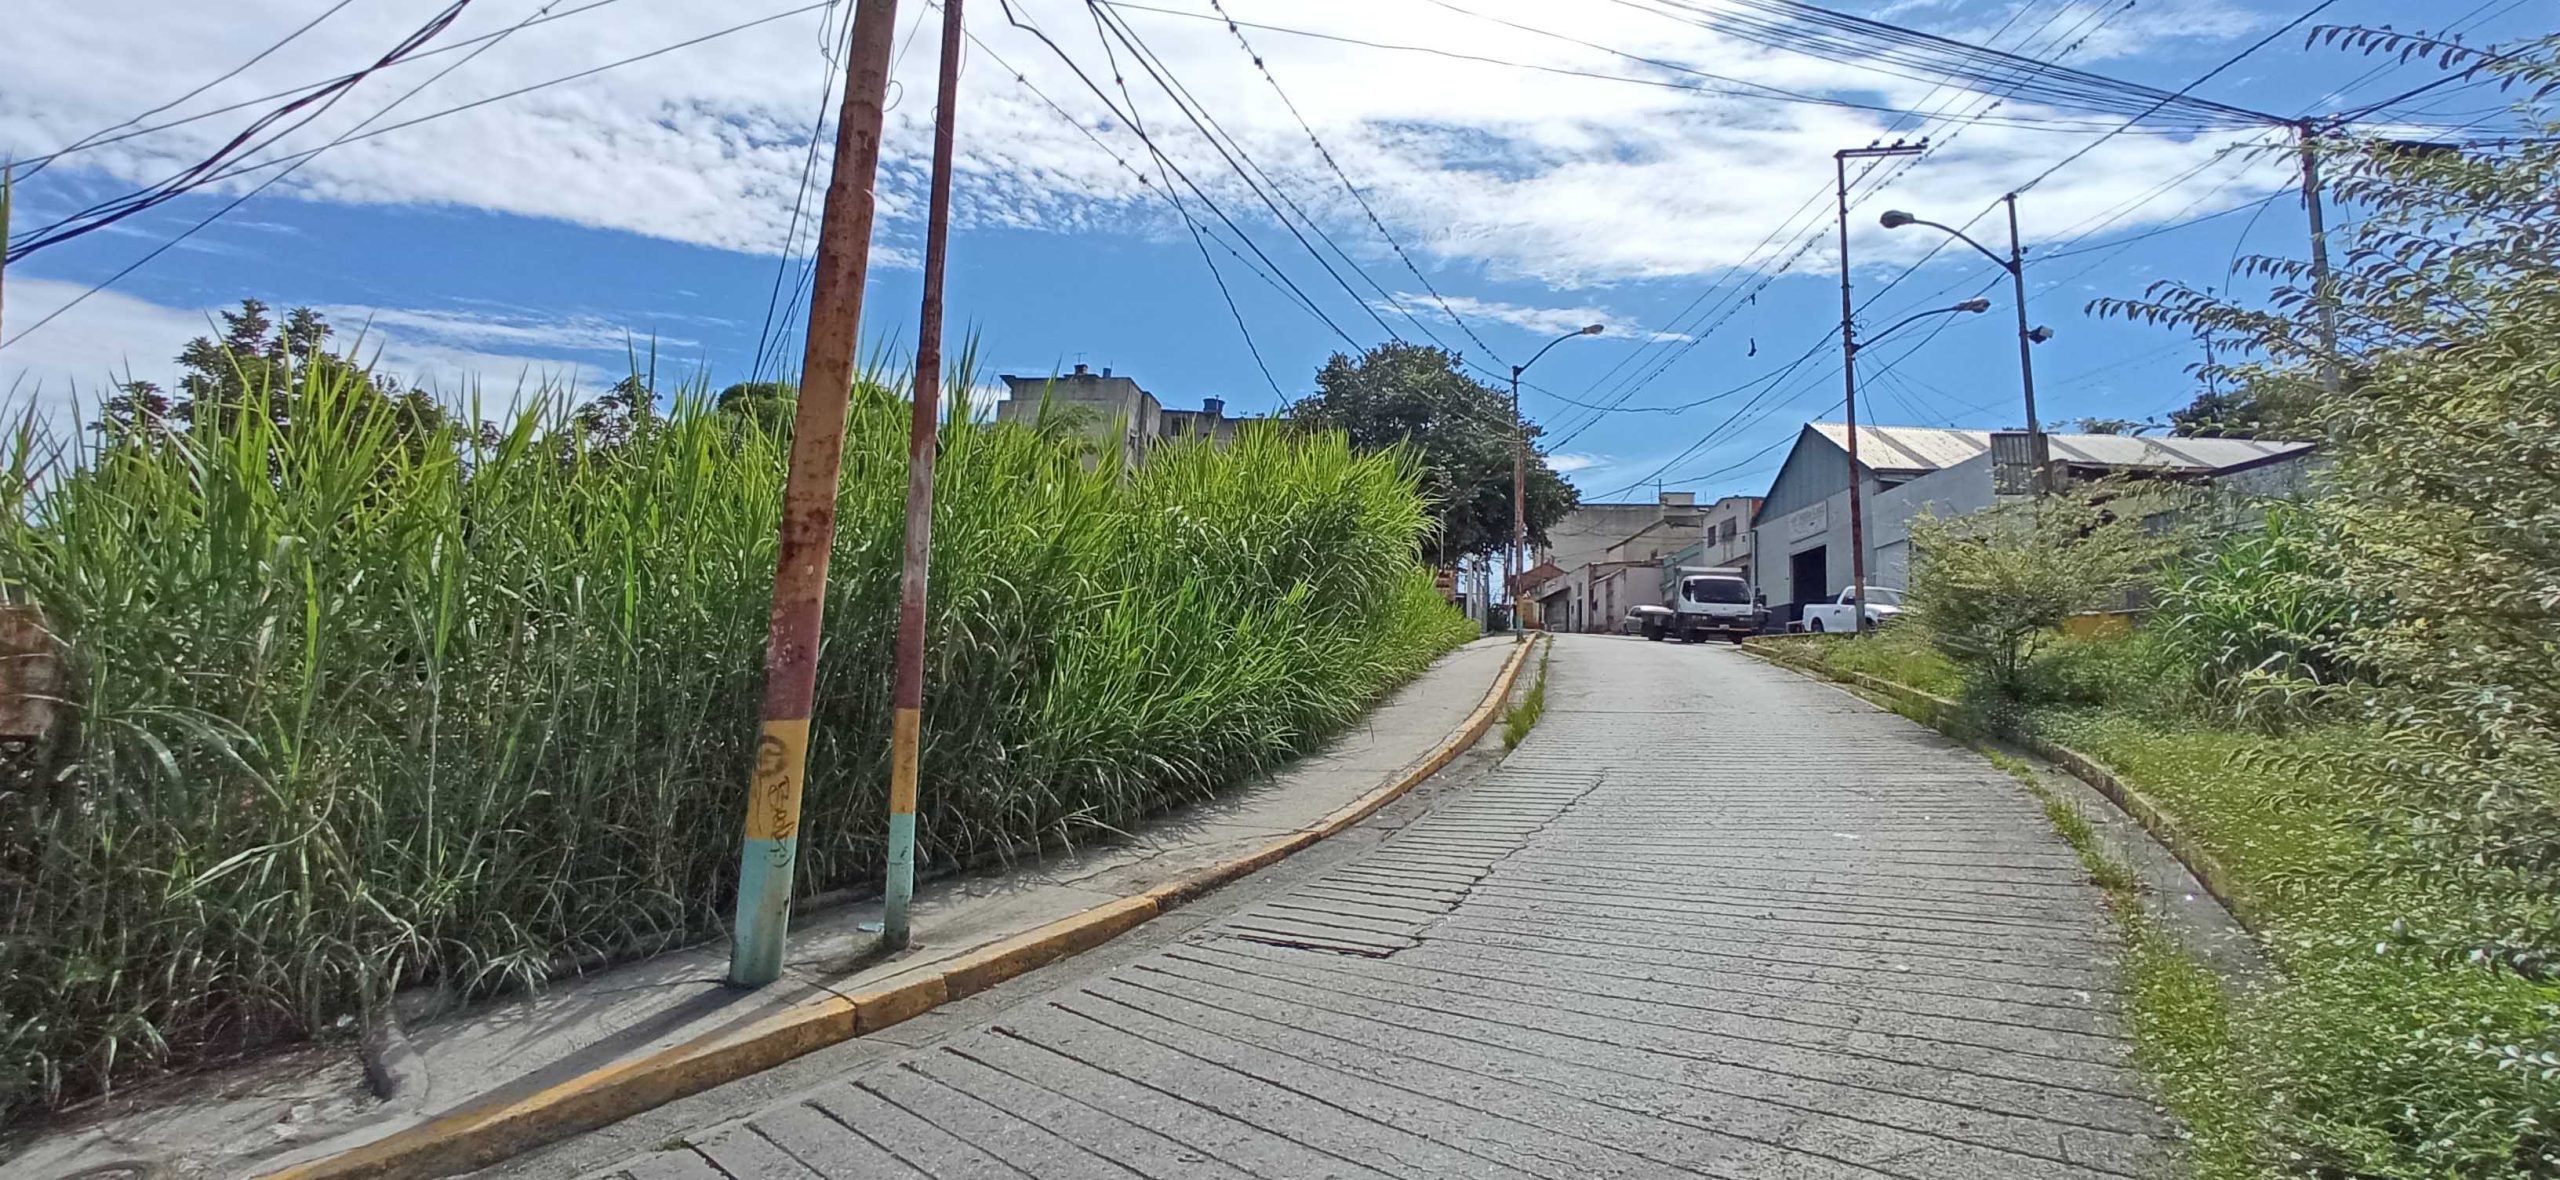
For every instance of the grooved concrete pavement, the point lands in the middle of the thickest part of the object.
(1710, 920)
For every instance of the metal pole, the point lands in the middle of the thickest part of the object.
(1519, 499)
(2323, 295)
(1849, 400)
(2036, 448)
(907, 702)
(772, 843)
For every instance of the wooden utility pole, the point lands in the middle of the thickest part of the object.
(772, 846)
(1849, 374)
(923, 439)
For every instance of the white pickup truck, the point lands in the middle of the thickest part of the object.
(1883, 603)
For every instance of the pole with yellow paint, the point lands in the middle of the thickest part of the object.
(772, 846)
(907, 701)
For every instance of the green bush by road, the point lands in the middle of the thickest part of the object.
(362, 696)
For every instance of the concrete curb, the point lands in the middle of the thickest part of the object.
(480, 1136)
(1946, 715)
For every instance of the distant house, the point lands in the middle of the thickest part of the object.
(1802, 543)
(1114, 409)
(1609, 557)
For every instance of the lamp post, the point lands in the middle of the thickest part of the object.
(1857, 514)
(2016, 265)
(1520, 469)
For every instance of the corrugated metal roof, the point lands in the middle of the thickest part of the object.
(1908, 448)
(1912, 449)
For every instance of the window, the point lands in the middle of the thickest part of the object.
(1716, 590)
(1731, 526)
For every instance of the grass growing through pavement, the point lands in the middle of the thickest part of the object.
(2180, 1012)
(361, 702)
(1523, 717)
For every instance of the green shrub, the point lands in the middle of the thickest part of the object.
(2266, 621)
(361, 700)
(1992, 589)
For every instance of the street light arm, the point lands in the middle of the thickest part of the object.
(1961, 236)
(1970, 305)
(1523, 367)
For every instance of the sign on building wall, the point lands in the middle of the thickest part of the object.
(1809, 522)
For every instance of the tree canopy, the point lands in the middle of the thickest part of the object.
(1458, 429)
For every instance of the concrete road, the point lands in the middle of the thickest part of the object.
(1710, 919)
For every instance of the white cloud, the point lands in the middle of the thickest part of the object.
(1568, 462)
(1573, 181)
(1541, 320)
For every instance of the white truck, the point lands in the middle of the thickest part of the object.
(1883, 604)
(1709, 601)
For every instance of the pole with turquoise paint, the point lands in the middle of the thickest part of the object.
(907, 700)
(772, 846)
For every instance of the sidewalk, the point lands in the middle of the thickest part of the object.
(314, 1102)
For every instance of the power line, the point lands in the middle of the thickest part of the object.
(101, 135)
(1731, 87)
(765, 337)
(294, 162)
(1349, 187)
(2201, 79)
(246, 142)
(289, 92)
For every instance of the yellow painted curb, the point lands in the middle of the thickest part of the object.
(483, 1135)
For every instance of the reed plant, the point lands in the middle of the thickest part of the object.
(362, 698)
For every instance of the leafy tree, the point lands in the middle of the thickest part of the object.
(1458, 429)
(769, 404)
(2446, 444)
(1991, 589)
(271, 367)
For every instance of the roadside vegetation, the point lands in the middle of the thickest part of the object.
(2351, 700)
(360, 693)
(1524, 714)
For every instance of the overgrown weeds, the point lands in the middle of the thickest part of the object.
(1523, 716)
(363, 698)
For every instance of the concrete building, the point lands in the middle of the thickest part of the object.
(1802, 527)
(1724, 543)
(1115, 409)
(1596, 543)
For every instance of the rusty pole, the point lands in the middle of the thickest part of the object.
(905, 732)
(809, 507)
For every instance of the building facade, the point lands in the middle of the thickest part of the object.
(1802, 529)
(1119, 414)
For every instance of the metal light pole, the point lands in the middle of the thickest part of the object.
(772, 845)
(2028, 338)
(1849, 366)
(1858, 566)
(1520, 469)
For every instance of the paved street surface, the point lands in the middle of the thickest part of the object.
(1711, 919)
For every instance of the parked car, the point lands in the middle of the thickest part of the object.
(1645, 619)
(1714, 601)
(1884, 604)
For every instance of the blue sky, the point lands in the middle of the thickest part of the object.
(545, 236)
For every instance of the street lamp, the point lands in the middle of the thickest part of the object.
(1850, 346)
(1520, 469)
(2016, 265)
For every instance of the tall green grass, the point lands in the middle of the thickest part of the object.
(361, 701)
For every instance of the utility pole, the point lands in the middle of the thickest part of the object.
(2037, 450)
(1520, 468)
(1519, 502)
(772, 846)
(2324, 296)
(906, 725)
(1849, 369)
